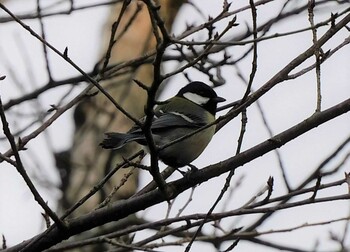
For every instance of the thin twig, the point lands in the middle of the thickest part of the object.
(43, 35)
(21, 170)
(98, 186)
(161, 35)
(112, 39)
(49, 121)
(317, 53)
(64, 56)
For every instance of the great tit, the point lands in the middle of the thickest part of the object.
(193, 107)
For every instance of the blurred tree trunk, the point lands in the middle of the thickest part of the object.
(87, 161)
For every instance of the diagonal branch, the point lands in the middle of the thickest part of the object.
(64, 56)
(123, 208)
(21, 170)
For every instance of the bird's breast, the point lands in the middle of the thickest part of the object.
(184, 152)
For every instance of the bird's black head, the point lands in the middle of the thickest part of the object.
(202, 95)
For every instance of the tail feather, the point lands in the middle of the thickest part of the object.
(114, 140)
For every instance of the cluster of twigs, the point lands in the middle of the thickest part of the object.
(200, 56)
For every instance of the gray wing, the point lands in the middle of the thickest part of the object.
(161, 122)
(174, 119)
(165, 120)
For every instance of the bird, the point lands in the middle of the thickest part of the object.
(193, 107)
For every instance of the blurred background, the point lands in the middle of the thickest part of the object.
(85, 31)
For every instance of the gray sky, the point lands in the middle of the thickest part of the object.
(288, 104)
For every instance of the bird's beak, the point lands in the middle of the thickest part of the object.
(219, 99)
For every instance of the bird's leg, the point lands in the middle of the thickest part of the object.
(193, 168)
(182, 172)
(189, 171)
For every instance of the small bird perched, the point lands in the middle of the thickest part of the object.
(193, 107)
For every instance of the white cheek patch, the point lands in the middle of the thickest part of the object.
(200, 100)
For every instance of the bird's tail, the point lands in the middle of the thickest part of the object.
(114, 140)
